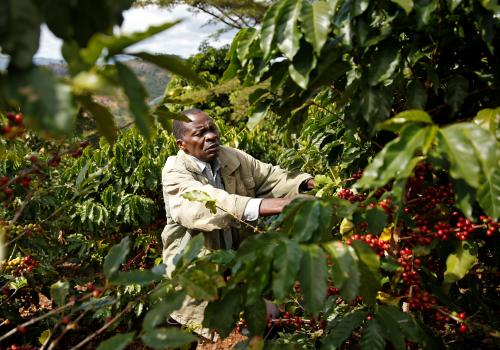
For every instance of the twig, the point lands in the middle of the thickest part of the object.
(103, 328)
(69, 327)
(36, 319)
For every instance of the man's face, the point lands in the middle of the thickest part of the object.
(201, 138)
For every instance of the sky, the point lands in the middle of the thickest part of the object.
(182, 39)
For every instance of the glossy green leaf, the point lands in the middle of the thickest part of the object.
(267, 31)
(222, 314)
(369, 266)
(116, 44)
(303, 63)
(306, 221)
(374, 104)
(465, 197)
(162, 338)
(384, 62)
(140, 277)
(313, 276)
(372, 337)
(315, 20)
(104, 119)
(203, 197)
(424, 11)
(192, 249)
(488, 193)
(416, 95)
(288, 33)
(403, 118)
(377, 219)
(342, 329)
(259, 112)
(392, 315)
(202, 281)
(391, 331)
(136, 94)
(161, 311)
(456, 92)
(174, 64)
(246, 37)
(358, 7)
(489, 119)
(117, 342)
(460, 262)
(345, 269)
(115, 257)
(22, 40)
(395, 160)
(453, 4)
(255, 316)
(406, 5)
(59, 291)
(286, 265)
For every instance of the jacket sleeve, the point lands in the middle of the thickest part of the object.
(273, 181)
(194, 215)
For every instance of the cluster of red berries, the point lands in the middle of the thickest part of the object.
(347, 194)
(27, 266)
(357, 175)
(492, 226)
(15, 126)
(410, 266)
(422, 300)
(443, 230)
(378, 245)
(464, 227)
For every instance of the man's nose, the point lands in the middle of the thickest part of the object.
(211, 135)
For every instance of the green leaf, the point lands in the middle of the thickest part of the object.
(303, 63)
(286, 264)
(164, 116)
(288, 33)
(203, 197)
(267, 31)
(391, 332)
(345, 270)
(369, 265)
(23, 33)
(406, 5)
(115, 257)
(313, 277)
(136, 94)
(161, 311)
(246, 37)
(117, 342)
(162, 338)
(416, 95)
(173, 64)
(473, 154)
(465, 197)
(372, 338)
(255, 316)
(140, 277)
(104, 119)
(392, 315)
(460, 262)
(222, 314)
(377, 219)
(202, 281)
(384, 62)
(306, 221)
(116, 44)
(259, 112)
(59, 291)
(395, 159)
(403, 118)
(342, 329)
(374, 104)
(452, 4)
(315, 20)
(489, 119)
(456, 92)
(192, 249)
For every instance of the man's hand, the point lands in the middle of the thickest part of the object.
(310, 184)
(273, 206)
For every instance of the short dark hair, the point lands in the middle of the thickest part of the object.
(179, 127)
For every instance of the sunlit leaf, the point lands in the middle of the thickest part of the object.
(460, 262)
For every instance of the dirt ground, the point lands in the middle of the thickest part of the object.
(226, 344)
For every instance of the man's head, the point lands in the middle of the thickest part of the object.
(199, 137)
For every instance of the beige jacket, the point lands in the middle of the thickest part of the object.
(244, 177)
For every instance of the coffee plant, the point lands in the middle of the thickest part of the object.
(394, 105)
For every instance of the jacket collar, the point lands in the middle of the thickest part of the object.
(228, 162)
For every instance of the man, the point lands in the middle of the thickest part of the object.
(243, 187)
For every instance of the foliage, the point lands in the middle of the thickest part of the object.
(394, 102)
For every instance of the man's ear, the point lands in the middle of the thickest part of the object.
(180, 144)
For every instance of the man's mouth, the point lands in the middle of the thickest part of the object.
(212, 147)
